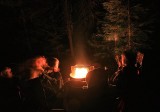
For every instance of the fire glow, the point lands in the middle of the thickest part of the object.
(79, 71)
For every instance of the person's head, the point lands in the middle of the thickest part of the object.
(139, 58)
(118, 60)
(6, 72)
(35, 67)
(96, 77)
(123, 60)
(129, 57)
(53, 63)
(39, 63)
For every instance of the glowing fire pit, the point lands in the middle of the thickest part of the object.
(78, 76)
(80, 71)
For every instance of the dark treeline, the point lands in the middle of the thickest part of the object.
(39, 27)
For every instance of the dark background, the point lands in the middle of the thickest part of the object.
(18, 29)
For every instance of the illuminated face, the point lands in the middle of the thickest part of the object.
(117, 58)
(40, 63)
(140, 57)
(56, 64)
(123, 59)
(7, 72)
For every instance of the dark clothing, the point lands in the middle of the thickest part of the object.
(33, 97)
(58, 78)
(139, 69)
(97, 77)
(56, 75)
(128, 84)
(9, 95)
(99, 96)
(39, 94)
(99, 99)
(49, 83)
(52, 90)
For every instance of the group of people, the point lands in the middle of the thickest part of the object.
(38, 86)
(128, 80)
(122, 91)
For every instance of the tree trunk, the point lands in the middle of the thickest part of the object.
(69, 26)
(129, 26)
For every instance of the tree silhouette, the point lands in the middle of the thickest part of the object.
(124, 25)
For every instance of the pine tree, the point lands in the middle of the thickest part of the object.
(125, 25)
(99, 47)
(115, 28)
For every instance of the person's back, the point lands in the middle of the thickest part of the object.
(99, 97)
(33, 96)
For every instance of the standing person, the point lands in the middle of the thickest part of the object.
(55, 80)
(32, 91)
(128, 84)
(139, 61)
(113, 78)
(54, 71)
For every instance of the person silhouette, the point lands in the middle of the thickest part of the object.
(98, 95)
(128, 83)
(10, 99)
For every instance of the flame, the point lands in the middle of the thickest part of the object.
(79, 72)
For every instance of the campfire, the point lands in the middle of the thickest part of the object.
(78, 75)
(80, 71)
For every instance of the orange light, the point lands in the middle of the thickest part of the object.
(79, 71)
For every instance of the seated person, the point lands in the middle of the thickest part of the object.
(98, 97)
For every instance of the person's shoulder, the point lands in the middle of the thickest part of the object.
(57, 73)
